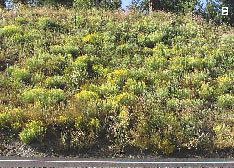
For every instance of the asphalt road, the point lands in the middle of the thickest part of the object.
(73, 162)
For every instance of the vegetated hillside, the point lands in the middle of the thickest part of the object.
(122, 81)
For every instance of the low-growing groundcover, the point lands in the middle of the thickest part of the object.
(122, 81)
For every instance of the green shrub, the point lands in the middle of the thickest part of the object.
(173, 104)
(48, 24)
(225, 83)
(34, 95)
(79, 70)
(86, 133)
(196, 78)
(125, 48)
(73, 50)
(140, 134)
(16, 127)
(227, 39)
(156, 62)
(55, 96)
(195, 104)
(163, 127)
(94, 125)
(141, 74)
(197, 133)
(77, 76)
(55, 82)
(19, 74)
(82, 4)
(63, 121)
(67, 49)
(48, 64)
(54, 64)
(77, 140)
(33, 132)
(172, 33)
(225, 101)
(56, 49)
(162, 50)
(147, 51)
(134, 86)
(149, 40)
(107, 89)
(118, 76)
(162, 92)
(194, 63)
(11, 120)
(100, 70)
(44, 96)
(10, 30)
(206, 91)
(5, 118)
(81, 123)
(183, 93)
(210, 61)
(125, 98)
(177, 64)
(82, 62)
(33, 34)
(17, 118)
(119, 131)
(37, 78)
(224, 136)
(34, 64)
(88, 125)
(26, 37)
(94, 38)
(166, 147)
(85, 95)
(21, 20)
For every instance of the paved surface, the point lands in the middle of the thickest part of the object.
(72, 162)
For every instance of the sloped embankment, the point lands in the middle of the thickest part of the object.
(89, 80)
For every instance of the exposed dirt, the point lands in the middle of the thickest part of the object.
(14, 147)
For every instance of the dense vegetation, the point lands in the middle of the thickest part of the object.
(209, 9)
(155, 83)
